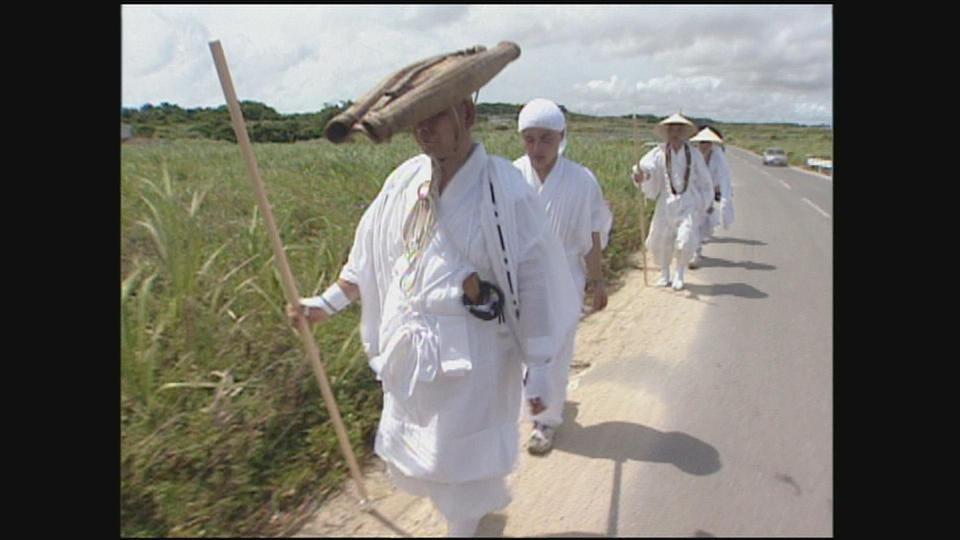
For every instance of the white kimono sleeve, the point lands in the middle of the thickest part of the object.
(726, 189)
(702, 181)
(361, 270)
(601, 219)
(723, 176)
(651, 188)
(548, 303)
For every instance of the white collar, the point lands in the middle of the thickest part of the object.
(465, 178)
(553, 177)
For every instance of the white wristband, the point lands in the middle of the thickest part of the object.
(336, 297)
(332, 301)
(317, 302)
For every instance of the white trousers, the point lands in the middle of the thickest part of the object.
(706, 227)
(559, 376)
(681, 241)
(459, 502)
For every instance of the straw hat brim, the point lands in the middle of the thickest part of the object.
(707, 135)
(660, 130)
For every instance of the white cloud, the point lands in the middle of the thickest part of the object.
(700, 95)
(614, 88)
(420, 15)
(743, 60)
(671, 84)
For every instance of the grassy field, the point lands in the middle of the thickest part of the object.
(798, 142)
(223, 431)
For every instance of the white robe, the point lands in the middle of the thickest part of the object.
(720, 173)
(674, 226)
(452, 382)
(576, 209)
(723, 211)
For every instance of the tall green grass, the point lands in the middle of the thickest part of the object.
(223, 431)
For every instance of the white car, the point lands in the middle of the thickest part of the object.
(775, 156)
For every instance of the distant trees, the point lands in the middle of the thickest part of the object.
(498, 109)
(648, 118)
(264, 123)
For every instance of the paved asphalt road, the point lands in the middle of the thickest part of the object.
(756, 383)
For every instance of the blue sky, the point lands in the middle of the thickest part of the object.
(749, 63)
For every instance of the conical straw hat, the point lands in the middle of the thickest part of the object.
(661, 129)
(707, 135)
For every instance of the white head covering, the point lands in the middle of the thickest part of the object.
(544, 114)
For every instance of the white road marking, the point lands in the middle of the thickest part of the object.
(817, 208)
(812, 173)
(786, 185)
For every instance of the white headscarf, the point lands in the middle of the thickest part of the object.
(544, 114)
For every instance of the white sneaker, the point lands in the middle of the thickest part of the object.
(663, 281)
(677, 284)
(541, 439)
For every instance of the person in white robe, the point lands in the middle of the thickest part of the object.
(580, 218)
(720, 211)
(453, 263)
(675, 175)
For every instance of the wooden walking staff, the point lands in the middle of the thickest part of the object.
(643, 204)
(280, 257)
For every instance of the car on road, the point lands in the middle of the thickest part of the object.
(775, 156)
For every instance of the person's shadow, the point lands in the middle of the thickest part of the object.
(719, 289)
(625, 441)
(730, 240)
(620, 442)
(714, 262)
